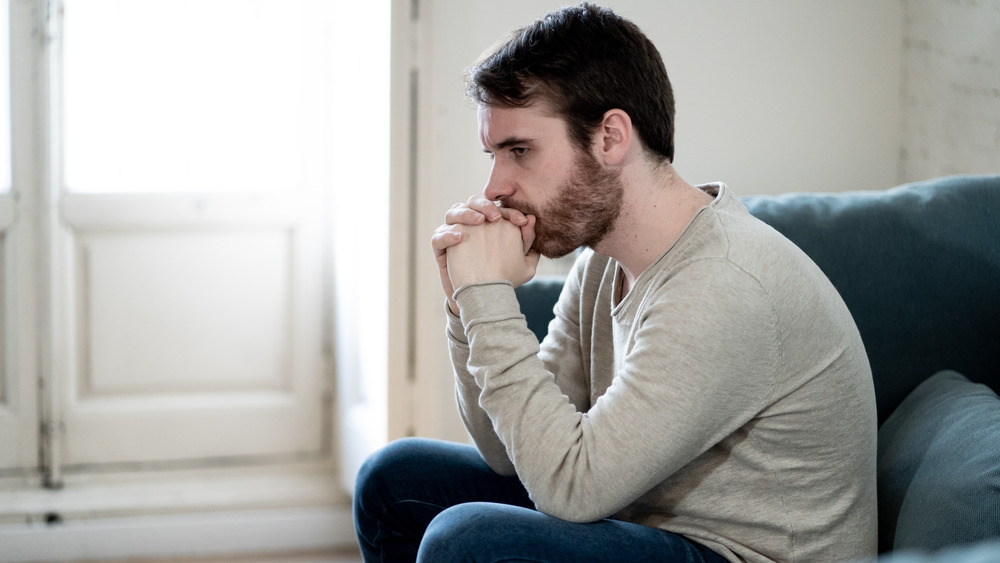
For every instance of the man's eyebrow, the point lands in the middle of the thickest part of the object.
(508, 142)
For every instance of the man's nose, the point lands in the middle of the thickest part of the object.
(498, 185)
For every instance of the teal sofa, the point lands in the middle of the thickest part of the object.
(919, 267)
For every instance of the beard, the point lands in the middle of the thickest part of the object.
(583, 212)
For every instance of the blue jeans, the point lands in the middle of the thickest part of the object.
(432, 501)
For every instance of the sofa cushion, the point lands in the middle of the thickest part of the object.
(538, 299)
(939, 466)
(985, 552)
(918, 266)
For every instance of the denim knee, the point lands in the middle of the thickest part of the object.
(452, 533)
(377, 489)
(403, 487)
(382, 467)
(473, 531)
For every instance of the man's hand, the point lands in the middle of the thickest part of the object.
(481, 212)
(491, 251)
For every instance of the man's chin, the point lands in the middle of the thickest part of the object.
(554, 251)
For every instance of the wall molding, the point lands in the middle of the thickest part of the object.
(181, 535)
(221, 511)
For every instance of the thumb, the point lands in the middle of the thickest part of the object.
(528, 234)
(532, 258)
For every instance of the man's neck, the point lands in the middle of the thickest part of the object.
(657, 209)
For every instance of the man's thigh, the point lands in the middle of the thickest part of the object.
(438, 473)
(401, 488)
(492, 533)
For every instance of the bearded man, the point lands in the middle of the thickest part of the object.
(703, 393)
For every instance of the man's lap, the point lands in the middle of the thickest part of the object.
(442, 498)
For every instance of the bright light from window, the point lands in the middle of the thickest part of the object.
(195, 95)
(5, 177)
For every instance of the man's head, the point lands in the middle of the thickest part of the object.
(582, 60)
(539, 171)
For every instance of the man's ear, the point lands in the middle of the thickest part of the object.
(614, 137)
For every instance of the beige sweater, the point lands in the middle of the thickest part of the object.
(727, 398)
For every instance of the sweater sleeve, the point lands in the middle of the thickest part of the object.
(699, 365)
(560, 353)
(467, 392)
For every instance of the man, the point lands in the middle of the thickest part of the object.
(702, 394)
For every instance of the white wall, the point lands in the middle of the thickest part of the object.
(951, 88)
(772, 96)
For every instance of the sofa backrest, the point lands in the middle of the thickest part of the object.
(918, 266)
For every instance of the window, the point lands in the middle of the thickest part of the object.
(182, 171)
(193, 95)
(197, 156)
(5, 175)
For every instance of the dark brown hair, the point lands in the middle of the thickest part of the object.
(584, 60)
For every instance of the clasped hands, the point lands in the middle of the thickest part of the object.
(481, 241)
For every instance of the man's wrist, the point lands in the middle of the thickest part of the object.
(463, 288)
(480, 301)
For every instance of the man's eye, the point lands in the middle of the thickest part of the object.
(519, 151)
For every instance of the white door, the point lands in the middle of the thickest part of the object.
(186, 244)
(18, 342)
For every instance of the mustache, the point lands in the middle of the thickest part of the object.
(524, 207)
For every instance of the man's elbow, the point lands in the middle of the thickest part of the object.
(573, 511)
(500, 465)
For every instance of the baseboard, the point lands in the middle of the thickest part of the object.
(179, 535)
(222, 511)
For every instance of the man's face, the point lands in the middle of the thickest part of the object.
(539, 171)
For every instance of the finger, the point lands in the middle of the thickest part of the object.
(444, 235)
(459, 214)
(485, 206)
(514, 216)
(528, 233)
(444, 238)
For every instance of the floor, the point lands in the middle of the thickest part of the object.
(339, 556)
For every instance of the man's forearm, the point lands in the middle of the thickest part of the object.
(467, 392)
